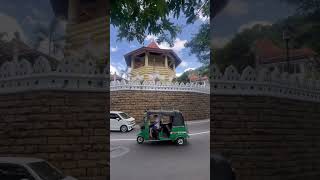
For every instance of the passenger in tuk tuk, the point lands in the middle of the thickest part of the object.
(155, 127)
(166, 127)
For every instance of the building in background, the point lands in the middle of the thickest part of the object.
(87, 26)
(152, 63)
(195, 77)
(268, 55)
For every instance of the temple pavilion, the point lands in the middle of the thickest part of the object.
(152, 63)
(87, 24)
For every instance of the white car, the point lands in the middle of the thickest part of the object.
(120, 121)
(21, 168)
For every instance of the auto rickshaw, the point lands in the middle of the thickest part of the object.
(174, 129)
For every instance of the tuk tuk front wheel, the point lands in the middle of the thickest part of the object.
(140, 139)
(180, 141)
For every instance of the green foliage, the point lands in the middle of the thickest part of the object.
(183, 77)
(199, 44)
(137, 19)
(240, 50)
(203, 71)
(306, 7)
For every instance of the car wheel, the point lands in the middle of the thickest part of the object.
(180, 141)
(140, 139)
(123, 128)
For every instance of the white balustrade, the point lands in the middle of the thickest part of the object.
(263, 83)
(159, 86)
(70, 74)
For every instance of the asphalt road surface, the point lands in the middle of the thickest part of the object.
(161, 160)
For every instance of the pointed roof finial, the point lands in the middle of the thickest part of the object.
(153, 44)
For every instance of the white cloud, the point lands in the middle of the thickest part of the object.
(253, 23)
(178, 74)
(113, 70)
(44, 46)
(132, 46)
(189, 69)
(219, 42)
(183, 64)
(114, 49)
(11, 26)
(151, 37)
(202, 17)
(177, 46)
(236, 8)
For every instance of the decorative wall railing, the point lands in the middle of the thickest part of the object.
(69, 74)
(263, 83)
(159, 86)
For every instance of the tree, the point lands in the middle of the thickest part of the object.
(137, 19)
(240, 50)
(184, 77)
(202, 71)
(200, 44)
(307, 7)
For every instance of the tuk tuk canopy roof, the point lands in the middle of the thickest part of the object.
(164, 112)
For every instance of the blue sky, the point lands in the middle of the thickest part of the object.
(120, 48)
(241, 14)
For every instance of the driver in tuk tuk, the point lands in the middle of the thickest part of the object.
(155, 127)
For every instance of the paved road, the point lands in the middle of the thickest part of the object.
(160, 161)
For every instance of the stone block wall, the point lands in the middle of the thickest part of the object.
(194, 106)
(267, 137)
(66, 128)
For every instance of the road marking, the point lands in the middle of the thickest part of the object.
(118, 151)
(205, 132)
(122, 139)
(192, 134)
(197, 122)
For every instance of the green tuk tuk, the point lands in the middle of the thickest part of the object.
(172, 127)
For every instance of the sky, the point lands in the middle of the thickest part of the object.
(241, 14)
(189, 61)
(24, 17)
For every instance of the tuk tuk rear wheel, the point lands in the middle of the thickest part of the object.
(180, 141)
(140, 139)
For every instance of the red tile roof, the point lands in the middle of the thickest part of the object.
(193, 77)
(268, 52)
(154, 45)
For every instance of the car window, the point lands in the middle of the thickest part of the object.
(46, 171)
(114, 116)
(124, 115)
(14, 172)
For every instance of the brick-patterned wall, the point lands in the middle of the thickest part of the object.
(66, 128)
(267, 138)
(194, 106)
